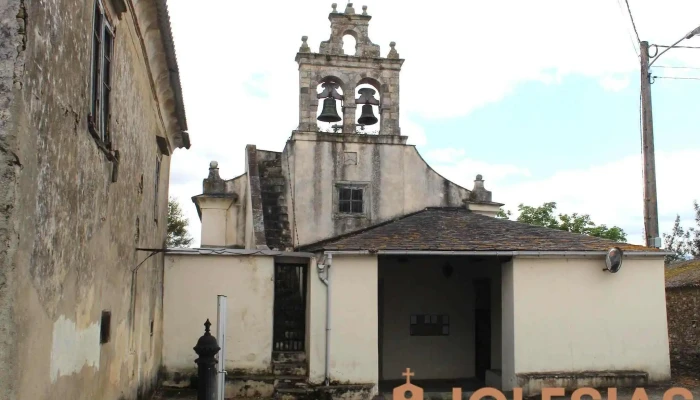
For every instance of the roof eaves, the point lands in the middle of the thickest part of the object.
(173, 69)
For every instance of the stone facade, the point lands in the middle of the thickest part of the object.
(349, 71)
(80, 305)
(683, 310)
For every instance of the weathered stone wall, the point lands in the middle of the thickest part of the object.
(12, 59)
(396, 181)
(683, 310)
(69, 234)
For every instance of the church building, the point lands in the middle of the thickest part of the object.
(346, 260)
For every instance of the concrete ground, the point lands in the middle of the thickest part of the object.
(687, 380)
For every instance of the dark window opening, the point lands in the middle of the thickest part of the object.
(157, 184)
(105, 326)
(151, 327)
(350, 201)
(430, 325)
(101, 74)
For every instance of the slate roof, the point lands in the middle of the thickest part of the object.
(683, 274)
(458, 229)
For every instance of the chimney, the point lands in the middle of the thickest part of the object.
(480, 201)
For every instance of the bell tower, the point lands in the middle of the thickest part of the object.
(336, 72)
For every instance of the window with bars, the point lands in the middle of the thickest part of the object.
(429, 325)
(350, 200)
(101, 73)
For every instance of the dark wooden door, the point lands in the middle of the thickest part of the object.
(290, 307)
(483, 342)
(482, 327)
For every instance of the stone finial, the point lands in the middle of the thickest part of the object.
(364, 10)
(479, 192)
(392, 53)
(335, 6)
(349, 10)
(304, 46)
(213, 183)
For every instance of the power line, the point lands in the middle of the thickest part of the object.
(634, 46)
(675, 77)
(669, 66)
(632, 19)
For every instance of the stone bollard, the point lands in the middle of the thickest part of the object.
(206, 349)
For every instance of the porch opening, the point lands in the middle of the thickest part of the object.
(440, 316)
(289, 318)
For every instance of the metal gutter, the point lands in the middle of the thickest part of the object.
(326, 267)
(223, 251)
(503, 253)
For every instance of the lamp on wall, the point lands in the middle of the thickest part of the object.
(447, 270)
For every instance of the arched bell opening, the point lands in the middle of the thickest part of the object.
(349, 44)
(329, 115)
(367, 99)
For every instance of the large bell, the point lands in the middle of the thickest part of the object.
(329, 112)
(367, 117)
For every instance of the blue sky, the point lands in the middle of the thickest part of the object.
(541, 97)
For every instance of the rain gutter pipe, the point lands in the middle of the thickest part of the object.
(325, 267)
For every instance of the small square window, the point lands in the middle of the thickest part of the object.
(429, 325)
(351, 200)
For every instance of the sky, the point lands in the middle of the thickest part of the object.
(541, 97)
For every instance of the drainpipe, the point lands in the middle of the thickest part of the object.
(327, 281)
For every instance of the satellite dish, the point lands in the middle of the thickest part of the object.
(613, 260)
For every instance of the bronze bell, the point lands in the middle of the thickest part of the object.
(367, 117)
(329, 112)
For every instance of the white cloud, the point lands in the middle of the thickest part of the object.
(611, 193)
(614, 84)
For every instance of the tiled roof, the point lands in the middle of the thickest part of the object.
(458, 229)
(683, 274)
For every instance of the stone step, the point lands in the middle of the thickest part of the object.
(273, 180)
(272, 170)
(275, 209)
(294, 394)
(288, 356)
(289, 368)
(271, 189)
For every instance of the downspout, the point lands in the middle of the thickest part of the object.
(327, 281)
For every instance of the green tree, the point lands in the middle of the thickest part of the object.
(694, 239)
(678, 241)
(177, 226)
(545, 216)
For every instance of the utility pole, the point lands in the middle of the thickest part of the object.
(651, 214)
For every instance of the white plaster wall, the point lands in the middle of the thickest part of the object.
(419, 287)
(507, 327)
(354, 330)
(213, 226)
(191, 286)
(569, 315)
(399, 182)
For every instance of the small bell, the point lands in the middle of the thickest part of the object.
(329, 112)
(367, 117)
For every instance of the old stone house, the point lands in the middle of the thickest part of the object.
(347, 259)
(683, 304)
(90, 112)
